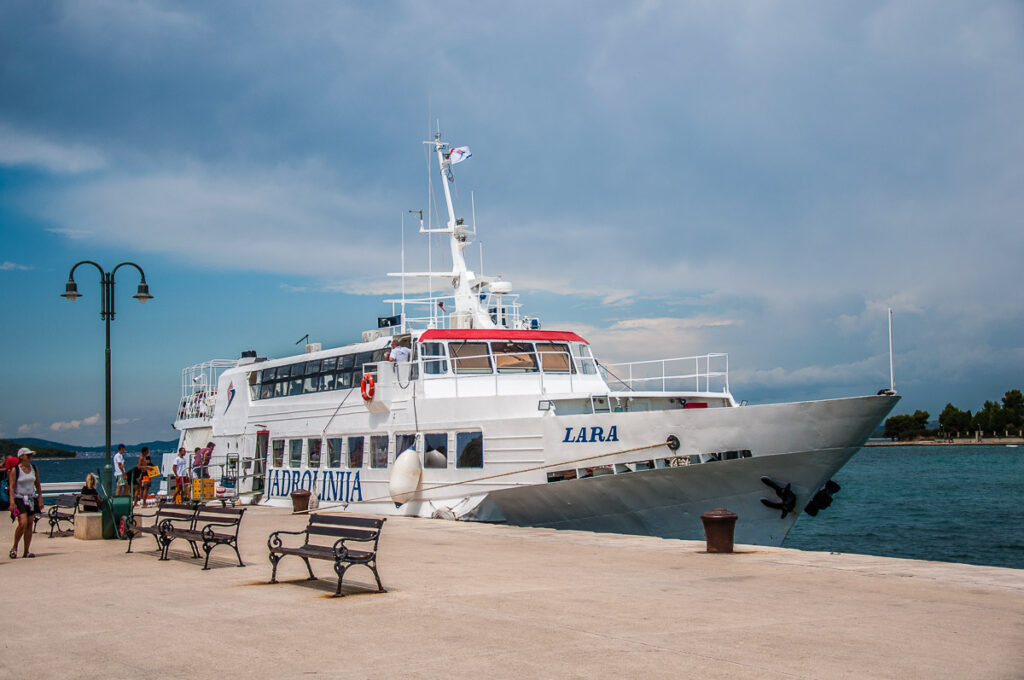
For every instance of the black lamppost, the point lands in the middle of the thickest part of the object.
(107, 314)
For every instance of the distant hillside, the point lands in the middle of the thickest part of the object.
(10, 448)
(38, 444)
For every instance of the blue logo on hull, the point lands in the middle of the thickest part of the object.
(340, 486)
(590, 434)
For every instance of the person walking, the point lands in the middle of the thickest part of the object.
(120, 473)
(26, 500)
(140, 477)
(181, 479)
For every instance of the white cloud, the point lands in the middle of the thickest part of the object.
(807, 376)
(75, 424)
(73, 234)
(288, 220)
(28, 429)
(650, 338)
(13, 266)
(18, 147)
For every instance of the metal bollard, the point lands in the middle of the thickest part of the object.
(719, 525)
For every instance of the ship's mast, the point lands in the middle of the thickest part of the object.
(469, 288)
(469, 313)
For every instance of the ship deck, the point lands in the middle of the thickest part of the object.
(477, 600)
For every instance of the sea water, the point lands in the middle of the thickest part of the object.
(946, 503)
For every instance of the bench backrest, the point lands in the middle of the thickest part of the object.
(211, 514)
(67, 500)
(175, 512)
(349, 527)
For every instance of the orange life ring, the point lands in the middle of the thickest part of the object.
(367, 387)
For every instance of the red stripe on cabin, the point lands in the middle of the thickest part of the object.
(695, 404)
(498, 334)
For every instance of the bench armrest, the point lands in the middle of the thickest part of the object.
(274, 540)
(340, 551)
(207, 530)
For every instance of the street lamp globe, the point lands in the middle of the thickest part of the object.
(71, 291)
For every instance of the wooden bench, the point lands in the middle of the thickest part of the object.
(170, 513)
(319, 545)
(212, 525)
(63, 511)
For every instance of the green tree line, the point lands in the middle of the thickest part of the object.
(994, 418)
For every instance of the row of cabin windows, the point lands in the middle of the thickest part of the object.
(464, 358)
(371, 451)
(485, 357)
(320, 375)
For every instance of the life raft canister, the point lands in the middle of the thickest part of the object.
(366, 387)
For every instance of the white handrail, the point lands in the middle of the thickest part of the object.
(663, 372)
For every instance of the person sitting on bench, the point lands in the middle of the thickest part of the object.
(90, 500)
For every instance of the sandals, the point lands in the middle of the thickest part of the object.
(29, 555)
(13, 555)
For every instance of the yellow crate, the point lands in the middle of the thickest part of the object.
(202, 488)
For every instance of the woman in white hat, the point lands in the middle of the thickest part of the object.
(26, 497)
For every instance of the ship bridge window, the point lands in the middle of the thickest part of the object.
(334, 452)
(361, 360)
(584, 359)
(470, 357)
(469, 450)
(278, 446)
(294, 453)
(266, 389)
(379, 451)
(295, 381)
(254, 385)
(355, 452)
(434, 357)
(435, 446)
(514, 357)
(554, 357)
(311, 383)
(343, 380)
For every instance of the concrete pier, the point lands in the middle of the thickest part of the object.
(471, 600)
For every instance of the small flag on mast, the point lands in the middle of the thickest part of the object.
(460, 154)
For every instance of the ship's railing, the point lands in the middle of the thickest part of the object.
(438, 311)
(703, 373)
(199, 388)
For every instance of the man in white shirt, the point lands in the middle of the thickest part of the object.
(120, 474)
(180, 474)
(399, 353)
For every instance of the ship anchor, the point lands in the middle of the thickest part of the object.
(787, 499)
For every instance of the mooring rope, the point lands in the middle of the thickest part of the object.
(486, 477)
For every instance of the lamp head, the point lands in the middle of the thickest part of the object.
(143, 294)
(71, 291)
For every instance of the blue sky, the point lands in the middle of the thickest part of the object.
(667, 178)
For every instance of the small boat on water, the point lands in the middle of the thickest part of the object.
(489, 416)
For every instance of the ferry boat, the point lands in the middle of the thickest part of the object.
(494, 418)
